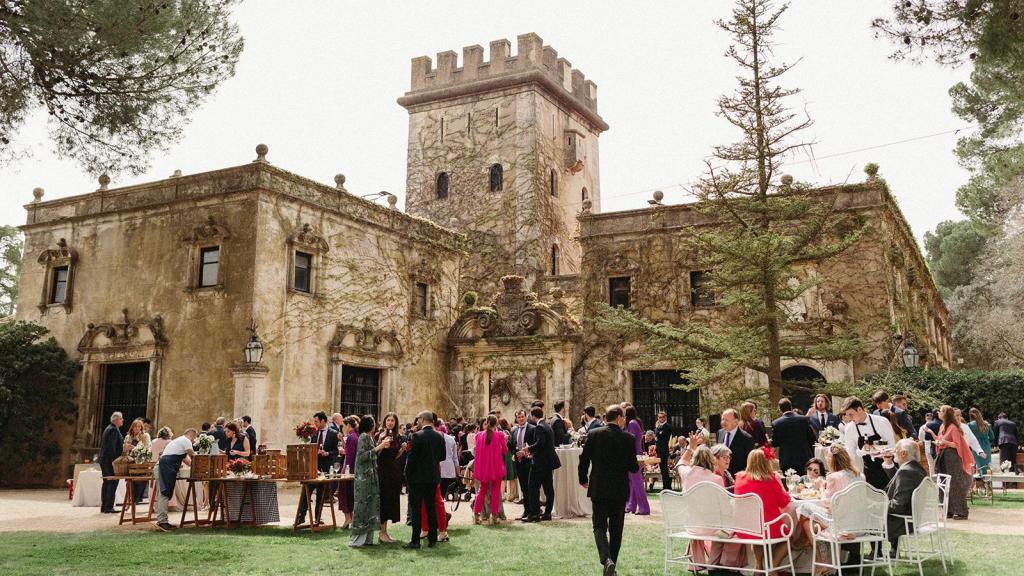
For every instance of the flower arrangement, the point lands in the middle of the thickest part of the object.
(239, 465)
(1006, 466)
(204, 444)
(829, 435)
(306, 432)
(792, 479)
(141, 454)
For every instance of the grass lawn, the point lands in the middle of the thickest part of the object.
(554, 548)
(1012, 499)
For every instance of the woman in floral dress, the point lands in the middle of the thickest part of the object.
(366, 487)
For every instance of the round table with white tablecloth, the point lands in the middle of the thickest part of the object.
(570, 498)
(89, 488)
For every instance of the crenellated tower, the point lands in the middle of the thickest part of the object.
(504, 150)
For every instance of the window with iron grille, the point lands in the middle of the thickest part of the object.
(655, 390)
(618, 291)
(125, 390)
(701, 294)
(360, 391)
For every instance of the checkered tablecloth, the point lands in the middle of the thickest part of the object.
(265, 495)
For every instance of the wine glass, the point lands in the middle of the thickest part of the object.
(335, 468)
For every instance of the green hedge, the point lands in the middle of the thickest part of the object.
(991, 391)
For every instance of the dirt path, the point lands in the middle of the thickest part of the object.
(51, 511)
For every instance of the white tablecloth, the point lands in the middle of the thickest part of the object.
(570, 498)
(89, 487)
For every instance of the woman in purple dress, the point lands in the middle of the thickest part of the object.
(346, 495)
(637, 502)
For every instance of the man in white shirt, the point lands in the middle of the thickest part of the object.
(450, 465)
(166, 473)
(862, 435)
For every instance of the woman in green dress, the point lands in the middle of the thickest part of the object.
(366, 509)
(983, 432)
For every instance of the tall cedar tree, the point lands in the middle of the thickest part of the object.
(10, 265)
(767, 238)
(118, 78)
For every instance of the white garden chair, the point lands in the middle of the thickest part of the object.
(942, 482)
(707, 513)
(925, 536)
(858, 517)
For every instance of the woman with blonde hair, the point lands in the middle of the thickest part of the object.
(760, 479)
(753, 425)
(163, 437)
(136, 436)
(841, 474)
(953, 457)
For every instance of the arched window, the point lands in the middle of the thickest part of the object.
(554, 259)
(441, 186)
(553, 183)
(496, 177)
(585, 195)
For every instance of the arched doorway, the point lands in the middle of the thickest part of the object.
(800, 384)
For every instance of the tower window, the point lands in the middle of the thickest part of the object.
(554, 259)
(442, 128)
(59, 290)
(553, 183)
(495, 117)
(584, 195)
(441, 186)
(701, 294)
(209, 266)
(497, 173)
(618, 292)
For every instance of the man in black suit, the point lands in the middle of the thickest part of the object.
(1007, 439)
(794, 437)
(327, 455)
(423, 474)
(607, 459)
(251, 433)
(821, 416)
(662, 435)
(111, 448)
(221, 436)
(558, 428)
(881, 401)
(544, 462)
(736, 440)
(518, 440)
(901, 488)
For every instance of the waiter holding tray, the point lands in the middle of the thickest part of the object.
(868, 437)
(166, 472)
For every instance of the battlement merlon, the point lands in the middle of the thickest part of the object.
(533, 63)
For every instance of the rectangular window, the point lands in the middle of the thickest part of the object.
(618, 292)
(421, 299)
(303, 271)
(701, 294)
(59, 291)
(209, 266)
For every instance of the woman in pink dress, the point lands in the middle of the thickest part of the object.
(841, 474)
(489, 467)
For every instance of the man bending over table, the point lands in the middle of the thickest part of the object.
(166, 472)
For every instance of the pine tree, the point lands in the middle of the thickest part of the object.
(118, 78)
(766, 230)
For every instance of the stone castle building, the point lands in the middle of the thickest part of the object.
(479, 296)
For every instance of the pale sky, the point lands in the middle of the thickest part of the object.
(317, 83)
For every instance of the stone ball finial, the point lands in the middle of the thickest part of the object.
(104, 181)
(659, 195)
(37, 194)
(587, 205)
(393, 201)
(261, 153)
(339, 181)
(177, 174)
(787, 180)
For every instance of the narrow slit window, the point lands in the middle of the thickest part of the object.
(584, 195)
(442, 128)
(422, 300)
(496, 177)
(441, 185)
(554, 259)
(553, 183)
